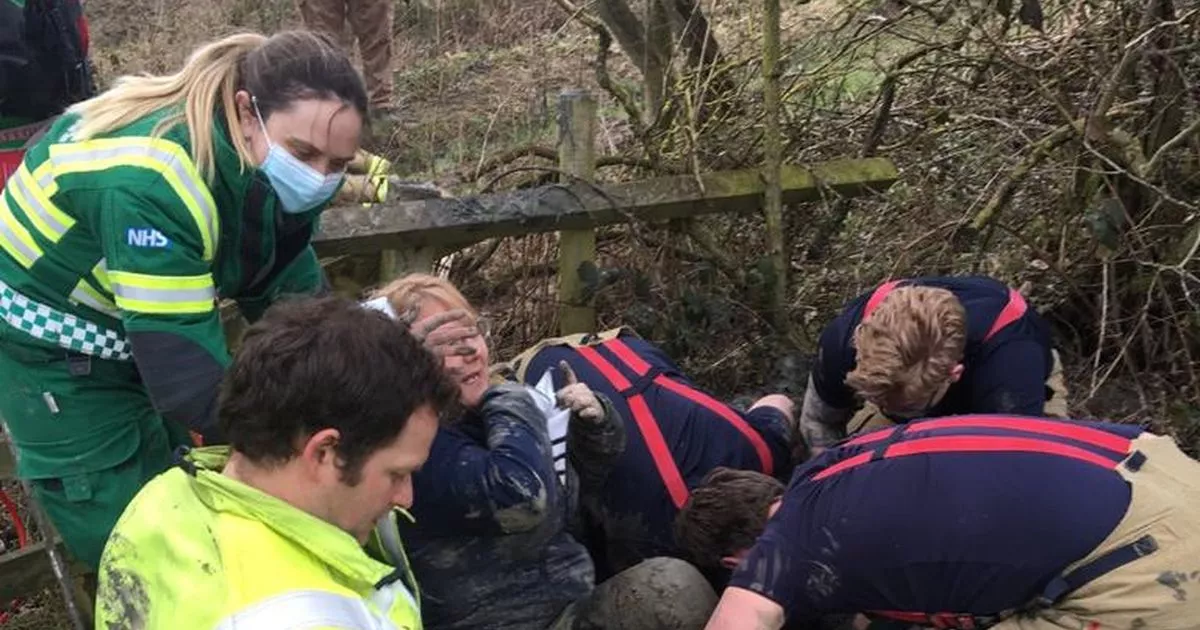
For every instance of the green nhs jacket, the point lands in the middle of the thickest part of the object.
(116, 247)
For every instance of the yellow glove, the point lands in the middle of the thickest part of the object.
(377, 171)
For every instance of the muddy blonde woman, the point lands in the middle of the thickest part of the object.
(497, 541)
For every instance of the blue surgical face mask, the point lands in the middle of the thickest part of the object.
(300, 187)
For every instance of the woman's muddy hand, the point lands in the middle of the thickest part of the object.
(578, 397)
(443, 333)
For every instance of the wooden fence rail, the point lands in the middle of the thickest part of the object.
(465, 220)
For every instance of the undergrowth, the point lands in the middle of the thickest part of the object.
(480, 80)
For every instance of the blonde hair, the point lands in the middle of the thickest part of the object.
(210, 77)
(410, 291)
(277, 70)
(908, 347)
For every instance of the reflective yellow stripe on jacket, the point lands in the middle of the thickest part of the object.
(298, 610)
(15, 239)
(162, 156)
(164, 295)
(84, 293)
(32, 193)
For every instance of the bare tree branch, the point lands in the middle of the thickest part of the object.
(1156, 161)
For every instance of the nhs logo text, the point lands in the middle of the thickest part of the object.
(146, 237)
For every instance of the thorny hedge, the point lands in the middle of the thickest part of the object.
(1063, 160)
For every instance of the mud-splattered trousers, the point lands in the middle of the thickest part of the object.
(370, 23)
(1160, 590)
(491, 544)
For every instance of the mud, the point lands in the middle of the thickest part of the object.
(657, 594)
(121, 598)
(1175, 580)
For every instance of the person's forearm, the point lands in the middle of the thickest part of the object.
(516, 475)
(821, 424)
(182, 380)
(740, 609)
(595, 445)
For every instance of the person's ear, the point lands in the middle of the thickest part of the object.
(320, 453)
(247, 118)
(956, 372)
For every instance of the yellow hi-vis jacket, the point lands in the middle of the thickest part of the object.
(196, 549)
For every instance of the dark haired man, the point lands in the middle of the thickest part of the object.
(986, 521)
(329, 409)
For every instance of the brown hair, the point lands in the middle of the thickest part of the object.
(407, 292)
(278, 71)
(908, 346)
(725, 514)
(315, 363)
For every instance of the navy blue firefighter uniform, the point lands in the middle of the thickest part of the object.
(980, 521)
(676, 432)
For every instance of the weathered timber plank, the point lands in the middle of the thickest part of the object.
(26, 571)
(355, 229)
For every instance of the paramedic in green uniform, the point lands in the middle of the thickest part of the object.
(119, 233)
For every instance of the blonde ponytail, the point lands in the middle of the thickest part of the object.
(210, 77)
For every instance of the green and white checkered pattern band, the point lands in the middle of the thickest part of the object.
(63, 329)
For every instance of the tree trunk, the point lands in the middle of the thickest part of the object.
(626, 28)
(1169, 90)
(773, 147)
(650, 46)
(656, 72)
(698, 43)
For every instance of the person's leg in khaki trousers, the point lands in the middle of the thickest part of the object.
(371, 24)
(1056, 406)
(371, 21)
(327, 16)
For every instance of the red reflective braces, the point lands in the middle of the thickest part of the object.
(1079, 433)
(877, 297)
(10, 161)
(641, 368)
(1012, 311)
(85, 35)
(663, 461)
(975, 444)
(947, 620)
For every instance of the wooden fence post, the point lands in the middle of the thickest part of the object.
(576, 248)
(394, 263)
